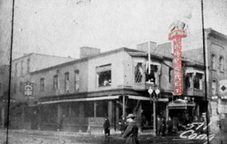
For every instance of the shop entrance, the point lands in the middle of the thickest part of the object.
(147, 115)
(179, 115)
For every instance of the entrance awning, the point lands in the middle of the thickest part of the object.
(81, 99)
(146, 98)
(181, 105)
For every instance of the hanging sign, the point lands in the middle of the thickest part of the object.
(28, 89)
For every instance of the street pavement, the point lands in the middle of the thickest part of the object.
(53, 137)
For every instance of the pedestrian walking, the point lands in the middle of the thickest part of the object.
(170, 125)
(106, 126)
(131, 132)
(163, 130)
(60, 123)
(159, 125)
(122, 124)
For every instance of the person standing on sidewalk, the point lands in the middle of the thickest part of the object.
(131, 132)
(106, 126)
(60, 123)
(122, 124)
(159, 125)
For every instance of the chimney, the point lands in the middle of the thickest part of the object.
(144, 46)
(88, 51)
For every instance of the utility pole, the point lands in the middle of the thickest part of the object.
(10, 71)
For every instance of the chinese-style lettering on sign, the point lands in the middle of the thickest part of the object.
(176, 36)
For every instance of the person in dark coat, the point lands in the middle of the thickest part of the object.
(60, 123)
(170, 125)
(163, 127)
(122, 124)
(131, 132)
(106, 126)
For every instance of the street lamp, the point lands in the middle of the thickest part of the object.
(154, 97)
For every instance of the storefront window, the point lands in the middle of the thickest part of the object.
(89, 109)
(101, 108)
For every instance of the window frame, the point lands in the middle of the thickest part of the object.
(55, 82)
(104, 69)
(213, 61)
(66, 81)
(76, 80)
(28, 65)
(137, 70)
(22, 67)
(221, 63)
(16, 66)
(214, 87)
(42, 84)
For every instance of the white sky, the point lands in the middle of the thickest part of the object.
(61, 27)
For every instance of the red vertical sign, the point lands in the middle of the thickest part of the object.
(177, 36)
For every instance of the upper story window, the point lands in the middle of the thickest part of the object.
(22, 67)
(221, 63)
(188, 80)
(170, 74)
(21, 87)
(214, 87)
(198, 79)
(55, 82)
(104, 75)
(213, 62)
(42, 84)
(1, 87)
(138, 72)
(16, 70)
(67, 82)
(76, 80)
(15, 88)
(152, 76)
(28, 65)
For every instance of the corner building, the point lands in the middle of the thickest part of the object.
(108, 84)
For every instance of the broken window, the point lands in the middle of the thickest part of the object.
(104, 75)
(138, 72)
(151, 77)
(198, 81)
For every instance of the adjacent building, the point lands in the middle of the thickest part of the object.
(20, 76)
(4, 92)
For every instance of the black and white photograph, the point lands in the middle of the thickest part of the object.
(113, 71)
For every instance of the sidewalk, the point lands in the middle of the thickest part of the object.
(65, 133)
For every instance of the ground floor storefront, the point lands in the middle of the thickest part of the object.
(86, 113)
